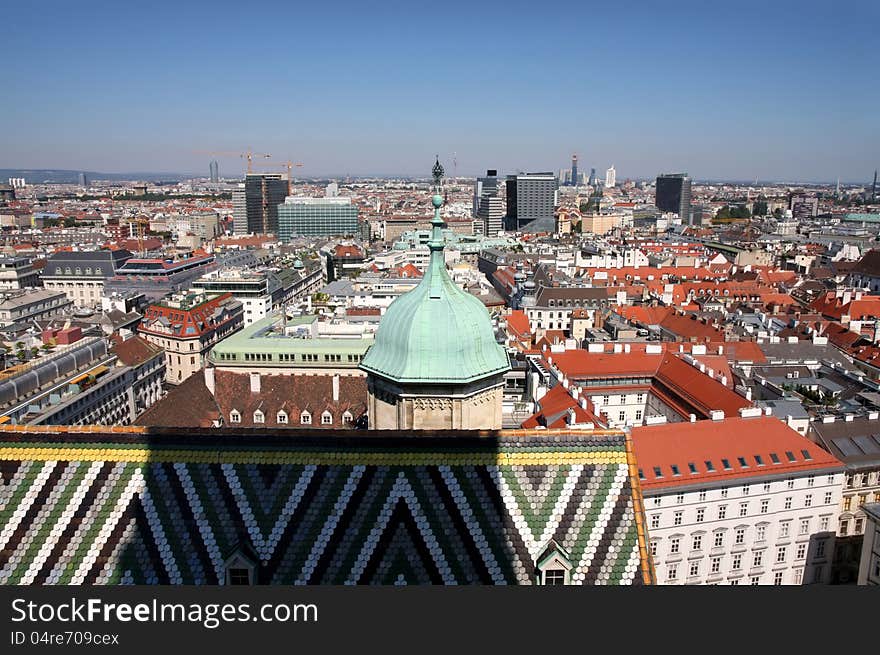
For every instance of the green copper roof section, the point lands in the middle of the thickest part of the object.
(436, 333)
(259, 338)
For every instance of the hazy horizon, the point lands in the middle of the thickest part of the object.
(774, 91)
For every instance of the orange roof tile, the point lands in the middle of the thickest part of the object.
(709, 444)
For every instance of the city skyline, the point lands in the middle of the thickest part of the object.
(741, 102)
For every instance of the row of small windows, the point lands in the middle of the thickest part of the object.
(678, 517)
(288, 357)
(725, 463)
(77, 271)
(282, 417)
(766, 487)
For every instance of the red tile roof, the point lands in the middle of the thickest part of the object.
(554, 410)
(291, 393)
(710, 443)
(133, 351)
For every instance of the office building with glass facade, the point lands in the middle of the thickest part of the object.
(298, 217)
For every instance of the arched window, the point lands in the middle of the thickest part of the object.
(326, 418)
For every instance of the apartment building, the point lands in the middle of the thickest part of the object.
(187, 326)
(743, 500)
(82, 275)
(27, 305)
(17, 273)
(854, 440)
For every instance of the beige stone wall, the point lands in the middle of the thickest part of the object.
(480, 411)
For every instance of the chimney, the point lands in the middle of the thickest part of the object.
(255, 383)
(209, 378)
(336, 388)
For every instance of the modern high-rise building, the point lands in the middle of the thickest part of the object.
(610, 177)
(313, 217)
(255, 207)
(592, 180)
(531, 202)
(803, 205)
(574, 170)
(83, 180)
(488, 210)
(673, 195)
(214, 167)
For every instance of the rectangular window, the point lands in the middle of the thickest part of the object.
(698, 542)
(801, 551)
(736, 563)
(761, 533)
(805, 526)
(787, 502)
(701, 513)
(765, 506)
(655, 521)
(823, 523)
(679, 499)
(777, 578)
(740, 536)
(743, 509)
(781, 554)
(790, 483)
(808, 500)
(719, 539)
(674, 545)
(784, 529)
(672, 571)
(828, 497)
(653, 547)
(676, 519)
(820, 549)
(766, 487)
(724, 492)
(745, 490)
(695, 568)
(715, 565)
(758, 559)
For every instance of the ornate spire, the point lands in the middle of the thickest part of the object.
(436, 242)
(438, 173)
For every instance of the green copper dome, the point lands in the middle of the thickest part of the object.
(436, 333)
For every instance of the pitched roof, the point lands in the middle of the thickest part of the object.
(293, 394)
(133, 351)
(189, 404)
(730, 449)
(554, 410)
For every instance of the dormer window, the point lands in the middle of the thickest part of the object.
(259, 417)
(347, 418)
(553, 565)
(234, 416)
(282, 417)
(305, 418)
(326, 418)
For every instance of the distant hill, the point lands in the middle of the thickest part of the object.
(57, 176)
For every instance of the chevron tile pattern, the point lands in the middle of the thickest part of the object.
(111, 509)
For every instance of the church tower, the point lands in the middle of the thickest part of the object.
(435, 364)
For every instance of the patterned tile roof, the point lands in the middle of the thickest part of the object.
(128, 505)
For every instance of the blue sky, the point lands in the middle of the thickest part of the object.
(775, 90)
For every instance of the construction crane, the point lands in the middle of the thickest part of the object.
(248, 155)
(142, 223)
